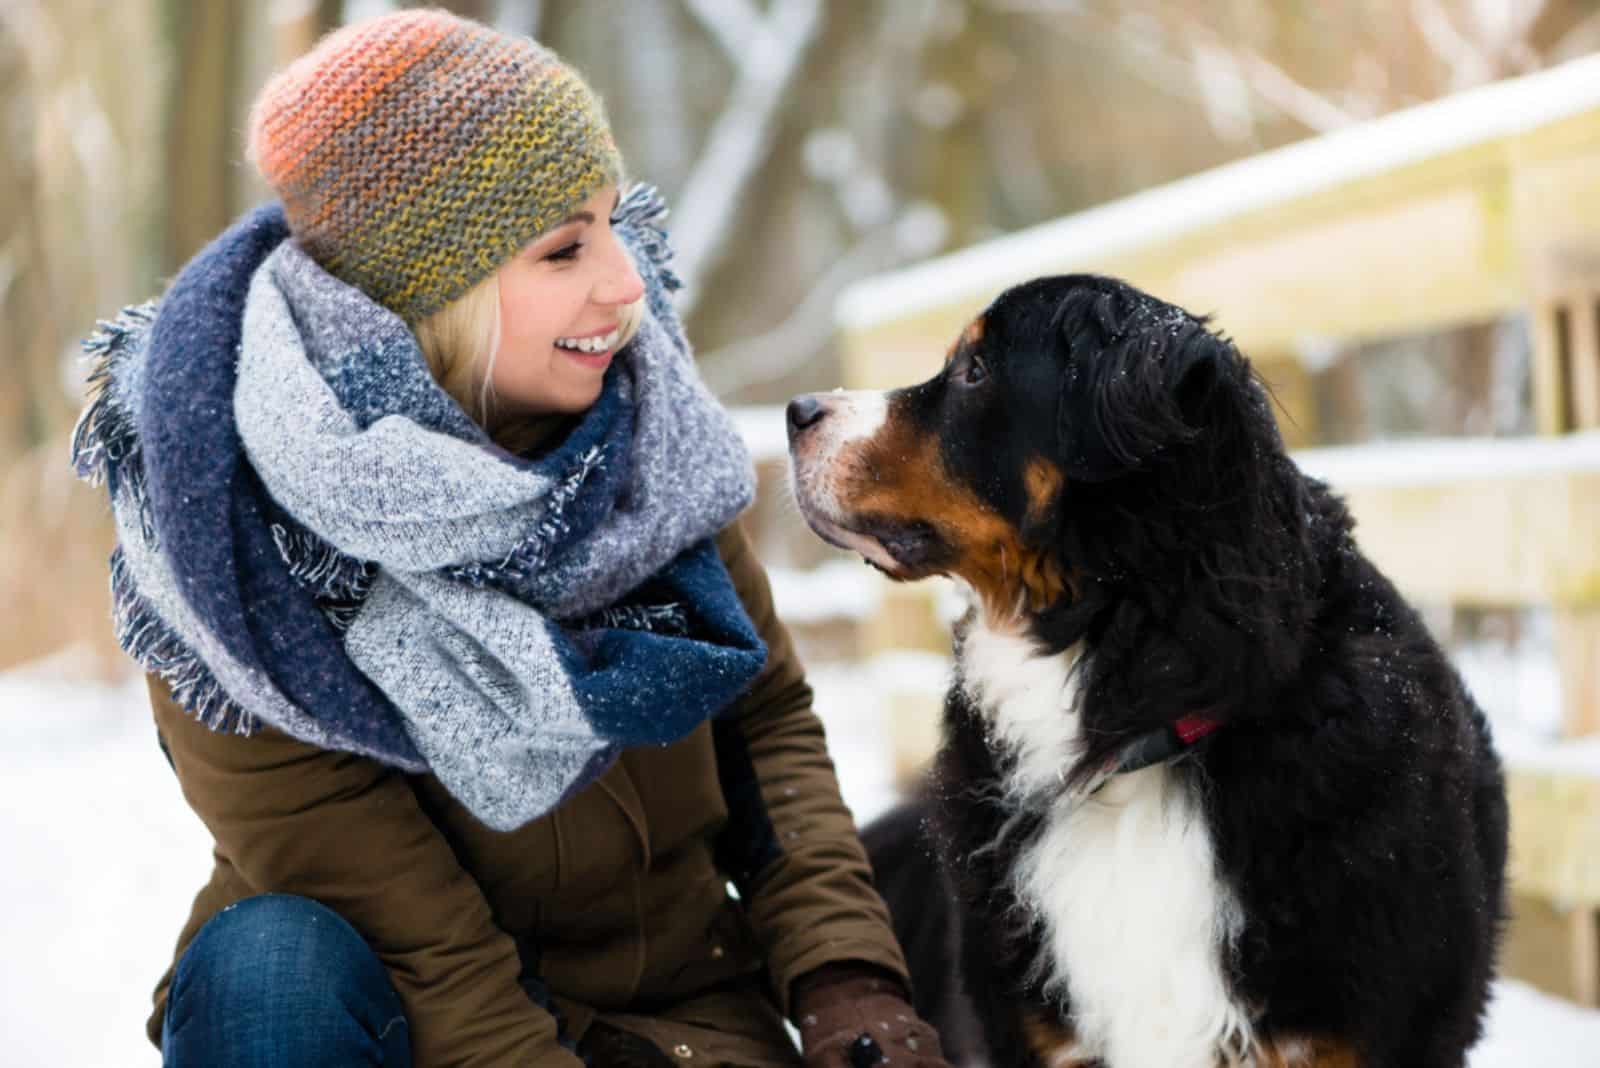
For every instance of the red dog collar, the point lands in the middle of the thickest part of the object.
(1162, 744)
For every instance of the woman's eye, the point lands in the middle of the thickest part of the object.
(565, 252)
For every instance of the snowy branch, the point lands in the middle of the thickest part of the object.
(1212, 63)
(771, 355)
(1467, 63)
(1225, 93)
(918, 232)
(736, 24)
(767, 54)
(1580, 40)
(1275, 86)
(1305, 105)
(1505, 27)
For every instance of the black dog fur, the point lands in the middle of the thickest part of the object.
(1354, 800)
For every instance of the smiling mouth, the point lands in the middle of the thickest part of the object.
(593, 345)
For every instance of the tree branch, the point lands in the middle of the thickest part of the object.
(735, 24)
(742, 135)
(1579, 40)
(1467, 63)
(1305, 105)
(917, 232)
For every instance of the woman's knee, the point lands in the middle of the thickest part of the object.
(282, 979)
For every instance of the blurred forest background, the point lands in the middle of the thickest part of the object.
(803, 144)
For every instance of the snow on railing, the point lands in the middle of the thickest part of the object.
(1434, 461)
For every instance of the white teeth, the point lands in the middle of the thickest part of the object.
(589, 344)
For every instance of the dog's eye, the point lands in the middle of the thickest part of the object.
(975, 372)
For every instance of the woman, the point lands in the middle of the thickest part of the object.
(426, 536)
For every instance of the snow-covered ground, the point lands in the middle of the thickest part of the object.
(101, 857)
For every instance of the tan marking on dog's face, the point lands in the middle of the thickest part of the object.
(896, 475)
(864, 469)
(1052, 1043)
(827, 462)
(1043, 480)
(910, 483)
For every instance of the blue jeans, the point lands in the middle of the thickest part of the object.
(281, 980)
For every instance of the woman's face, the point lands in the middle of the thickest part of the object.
(561, 300)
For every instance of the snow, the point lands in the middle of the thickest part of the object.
(765, 431)
(103, 858)
(837, 589)
(1532, 752)
(1527, 1028)
(1168, 212)
(1436, 461)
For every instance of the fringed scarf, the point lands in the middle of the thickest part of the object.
(313, 535)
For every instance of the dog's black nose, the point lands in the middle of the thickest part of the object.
(805, 410)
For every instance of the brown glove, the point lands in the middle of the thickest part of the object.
(857, 1016)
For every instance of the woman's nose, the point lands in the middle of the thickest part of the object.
(622, 284)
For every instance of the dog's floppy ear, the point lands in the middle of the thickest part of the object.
(1135, 371)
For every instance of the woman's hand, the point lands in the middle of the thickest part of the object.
(857, 1016)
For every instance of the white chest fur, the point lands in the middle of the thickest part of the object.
(1125, 881)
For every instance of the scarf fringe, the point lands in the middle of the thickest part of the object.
(153, 645)
(528, 556)
(320, 568)
(105, 441)
(645, 209)
(670, 618)
(105, 448)
(105, 434)
(339, 582)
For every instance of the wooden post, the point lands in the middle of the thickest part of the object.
(1566, 389)
(908, 627)
(1584, 930)
(1566, 361)
(1549, 367)
(1293, 390)
(1578, 658)
(1583, 359)
(1556, 816)
(202, 123)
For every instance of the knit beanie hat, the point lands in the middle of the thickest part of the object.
(416, 152)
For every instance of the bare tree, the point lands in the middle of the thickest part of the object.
(847, 153)
(765, 51)
(76, 182)
(1343, 63)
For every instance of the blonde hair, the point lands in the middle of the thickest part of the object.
(458, 343)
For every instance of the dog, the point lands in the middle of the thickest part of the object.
(1208, 792)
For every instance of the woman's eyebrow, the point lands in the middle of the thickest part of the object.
(588, 216)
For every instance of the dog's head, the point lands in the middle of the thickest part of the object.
(1077, 432)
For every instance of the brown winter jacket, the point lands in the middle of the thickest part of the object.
(618, 900)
